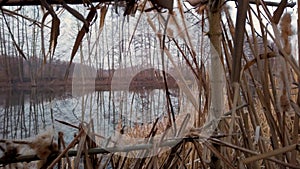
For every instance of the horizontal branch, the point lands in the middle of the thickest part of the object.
(167, 143)
(38, 2)
(72, 153)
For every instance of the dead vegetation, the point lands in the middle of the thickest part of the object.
(259, 126)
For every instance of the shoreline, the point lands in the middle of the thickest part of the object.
(99, 85)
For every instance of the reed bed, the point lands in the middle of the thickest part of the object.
(258, 97)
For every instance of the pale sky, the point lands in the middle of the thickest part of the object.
(69, 29)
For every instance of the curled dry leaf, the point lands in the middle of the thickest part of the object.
(76, 14)
(54, 35)
(54, 27)
(79, 38)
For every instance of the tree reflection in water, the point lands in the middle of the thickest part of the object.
(25, 113)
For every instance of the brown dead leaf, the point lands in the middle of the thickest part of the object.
(76, 14)
(54, 27)
(79, 38)
(103, 12)
(54, 35)
(42, 36)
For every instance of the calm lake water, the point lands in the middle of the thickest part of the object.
(24, 114)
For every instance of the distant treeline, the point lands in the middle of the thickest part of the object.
(19, 72)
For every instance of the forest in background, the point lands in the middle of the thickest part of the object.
(21, 74)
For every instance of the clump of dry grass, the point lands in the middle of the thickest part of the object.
(42, 146)
(142, 131)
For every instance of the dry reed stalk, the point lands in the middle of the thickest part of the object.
(247, 151)
(133, 33)
(18, 48)
(81, 148)
(75, 140)
(13, 14)
(244, 117)
(171, 156)
(218, 154)
(187, 34)
(181, 157)
(67, 124)
(62, 141)
(199, 153)
(143, 154)
(108, 160)
(286, 137)
(266, 100)
(261, 112)
(271, 153)
(245, 90)
(295, 135)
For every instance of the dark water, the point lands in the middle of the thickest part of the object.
(24, 114)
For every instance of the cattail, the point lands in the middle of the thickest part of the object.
(286, 31)
(284, 101)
